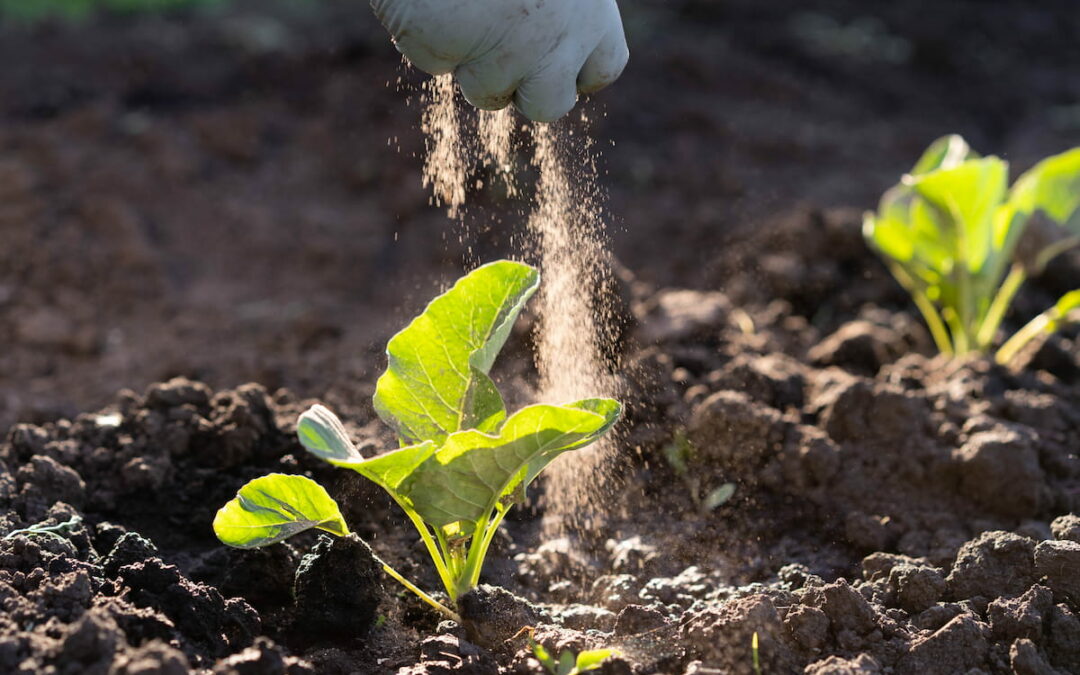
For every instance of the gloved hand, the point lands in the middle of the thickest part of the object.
(537, 53)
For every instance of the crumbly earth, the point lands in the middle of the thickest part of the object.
(204, 211)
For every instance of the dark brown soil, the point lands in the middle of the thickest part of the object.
(191, 198)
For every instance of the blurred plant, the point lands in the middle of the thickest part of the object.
(962, 243)
(569, 663)
(866, 38)
(463, 463)
(681, 455)
(756, 653)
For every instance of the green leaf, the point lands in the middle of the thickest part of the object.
(946, 152)
(275, 507)
(323, 435)
(1053, 187)
(542, 655)
(718, 497)
(592, 659)
(467, 477)
(566, 662)
(969, 194)
(436, 382)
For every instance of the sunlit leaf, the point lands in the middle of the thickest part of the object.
(1053, 187)
(946, 152)
(275, 507)
(592, 659)
(465, 479)
(969, 194)
(436, 381)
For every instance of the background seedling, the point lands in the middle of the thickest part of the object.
(568, 663)
(962, 242)
(462, 462)
(681, 455)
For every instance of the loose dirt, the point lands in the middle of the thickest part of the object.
(183, 199)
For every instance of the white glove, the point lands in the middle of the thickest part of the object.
(537, 53)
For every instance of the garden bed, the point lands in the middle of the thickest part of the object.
(892, 512)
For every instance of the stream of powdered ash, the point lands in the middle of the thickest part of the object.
(566, 239)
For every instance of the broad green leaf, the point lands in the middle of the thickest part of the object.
(391, 468)
(946, 152)
(465, 479)
(592, 659)
(275, 507)
(888, 231)
(323, 435)
(1053, 187)
(436, 382)
(969, 194)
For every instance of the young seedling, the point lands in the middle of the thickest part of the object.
(462, 462)
(681, 455)
(568, 663)
(962, 243)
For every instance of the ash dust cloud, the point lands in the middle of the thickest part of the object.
(565, 237)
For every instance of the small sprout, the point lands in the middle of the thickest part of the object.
(718, 497)
(681, 455)
(962, 242)
(756, 654)
(568, 663)
(463, 462)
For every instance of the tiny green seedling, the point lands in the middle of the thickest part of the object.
(568, 663)
(962, 243)
(681, 454)
(462, 462)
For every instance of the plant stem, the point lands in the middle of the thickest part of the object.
(433, 549)
(1020, 338)
(449, 613)
(930, 314)
(485, 544)
(1000, 305)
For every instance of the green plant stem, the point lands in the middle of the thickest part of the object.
(1020, 338)
(449, 613)
(478, 556)
(432, 547)
(930, 314)
(1054, 250)
(453, 563)
(963, 338)
(1000, 305)
(959, 334)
